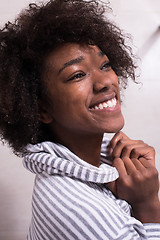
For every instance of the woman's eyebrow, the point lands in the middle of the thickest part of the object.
(101, 54)
(71, 62)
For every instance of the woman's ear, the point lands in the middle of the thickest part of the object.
(44, 115)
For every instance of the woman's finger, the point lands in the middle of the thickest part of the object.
(117, 137)
(125, 147)
(145, 151)
(124, 166)
(146, 164)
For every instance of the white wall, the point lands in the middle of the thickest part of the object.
(141, 103)
(140, 108)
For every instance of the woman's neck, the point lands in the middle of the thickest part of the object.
(86, 147)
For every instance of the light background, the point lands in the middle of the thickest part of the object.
(140, 107)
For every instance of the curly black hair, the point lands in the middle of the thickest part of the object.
(24, 45)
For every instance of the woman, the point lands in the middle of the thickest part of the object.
(61, 64)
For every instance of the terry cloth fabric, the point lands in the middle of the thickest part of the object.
(71, 201)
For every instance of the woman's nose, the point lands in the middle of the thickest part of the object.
(103, 81)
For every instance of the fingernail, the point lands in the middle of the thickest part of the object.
(110, 150)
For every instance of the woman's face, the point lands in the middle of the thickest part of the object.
(83, 91)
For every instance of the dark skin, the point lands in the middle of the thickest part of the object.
(84, 103)
(138, 183)
(79, 79)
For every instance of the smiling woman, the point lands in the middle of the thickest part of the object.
(62, 64)
(29, 41)
(83, 96)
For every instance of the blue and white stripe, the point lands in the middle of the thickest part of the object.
(71, 201)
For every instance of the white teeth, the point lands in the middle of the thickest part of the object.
(100, 106)
(108, 104)
(105, 105)
(114, 101)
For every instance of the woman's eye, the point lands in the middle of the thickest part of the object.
(77, 76)
(106, 66)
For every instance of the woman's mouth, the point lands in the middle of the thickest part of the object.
(110, 104)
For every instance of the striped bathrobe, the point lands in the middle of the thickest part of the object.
(71, 201)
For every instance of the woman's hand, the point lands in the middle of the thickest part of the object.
(138, 182)
(121, 146)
